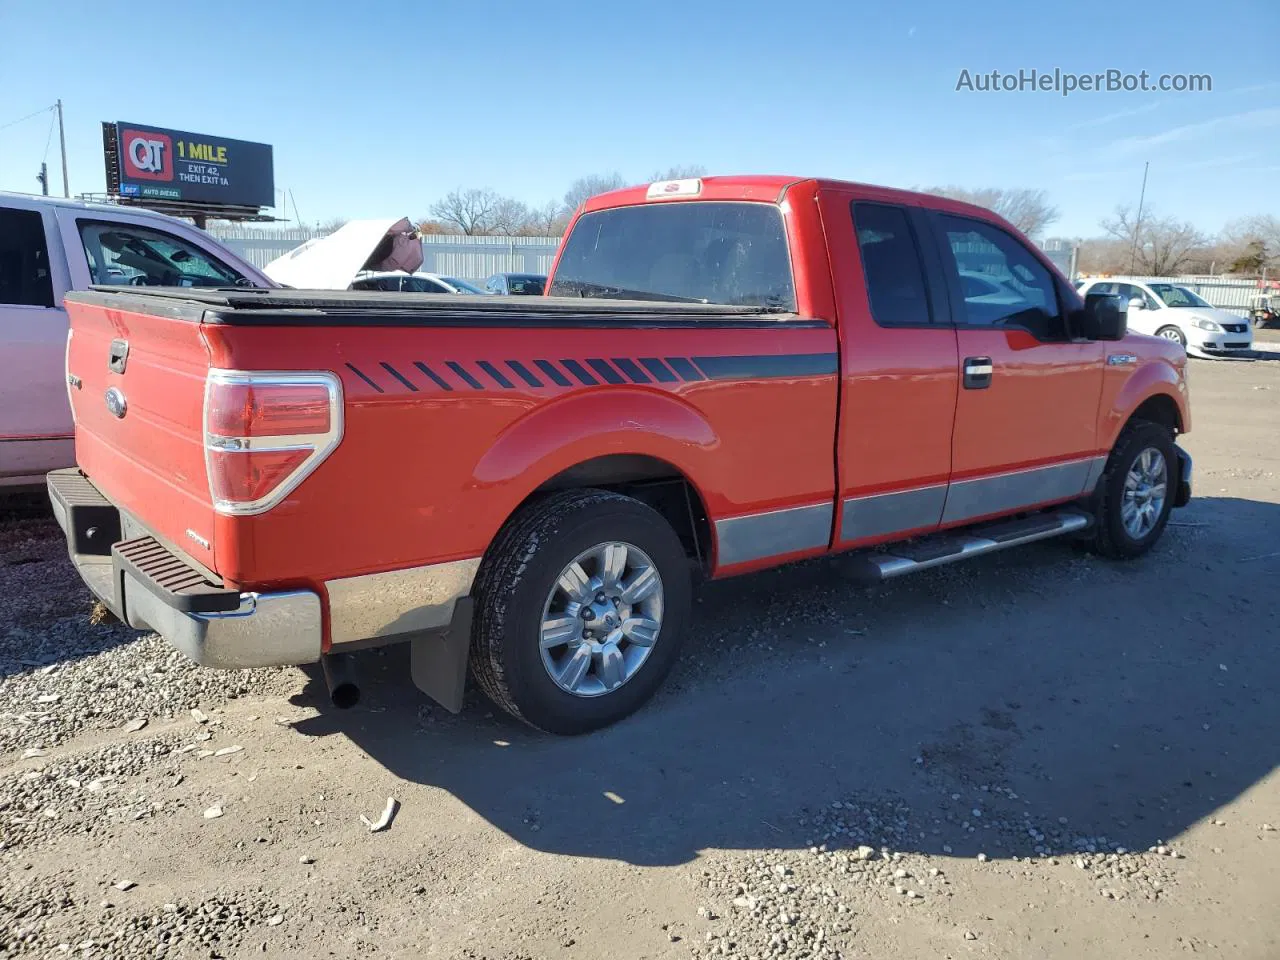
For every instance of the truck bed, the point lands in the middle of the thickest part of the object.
(247, 306)
(453, 411)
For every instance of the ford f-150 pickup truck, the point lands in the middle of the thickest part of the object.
(726, 374)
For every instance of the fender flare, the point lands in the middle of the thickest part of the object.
(579, 427)
(1159, 379)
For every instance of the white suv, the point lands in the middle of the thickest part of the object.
(49, 246)
(1175, 313)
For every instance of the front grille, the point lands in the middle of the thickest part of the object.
(1237, 344)
(1236, 327)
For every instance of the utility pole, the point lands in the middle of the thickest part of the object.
(62, 139)
(43, 177)
(1137, 224)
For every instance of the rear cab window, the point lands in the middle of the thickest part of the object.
(26, 279)
(707, 251)
(891, 264)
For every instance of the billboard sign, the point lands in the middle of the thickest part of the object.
(156, 163)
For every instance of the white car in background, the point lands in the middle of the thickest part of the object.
(1172, 311)
(397, 281)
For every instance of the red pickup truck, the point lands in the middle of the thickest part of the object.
(727, 374)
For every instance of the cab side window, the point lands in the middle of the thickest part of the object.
(891, 265)
(1130, 291)
(25, 278)
(124, 254)
(1002, 283)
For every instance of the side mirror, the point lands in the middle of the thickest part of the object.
(1104, 317)
(1137, 303)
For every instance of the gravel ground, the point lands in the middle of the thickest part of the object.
(60, 677)
(1035, 754)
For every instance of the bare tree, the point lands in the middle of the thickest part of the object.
(1159, 246)
(430, 227)
(510, 217)
(1251, 245)
(1028, 210)
(680, 172)
(585, 187)
(1102, 255)
(332, 225)
(472, 210)
(548, 220)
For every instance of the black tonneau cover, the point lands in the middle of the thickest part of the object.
(245, 306)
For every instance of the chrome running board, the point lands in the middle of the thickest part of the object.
(898, 559)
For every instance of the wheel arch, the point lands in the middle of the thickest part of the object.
(1160, 408)
(646, 445)
(1156, 392)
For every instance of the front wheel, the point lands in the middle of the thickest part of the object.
(582, 604)
(1174, 334)
(1136, 491)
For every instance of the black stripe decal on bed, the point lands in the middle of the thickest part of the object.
(361, 374)
(615, 371)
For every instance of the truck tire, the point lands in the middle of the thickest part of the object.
(581, 606)
(1136, 491)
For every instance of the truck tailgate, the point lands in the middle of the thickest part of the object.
(137, 383)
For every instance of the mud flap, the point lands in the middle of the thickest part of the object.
(438, 661)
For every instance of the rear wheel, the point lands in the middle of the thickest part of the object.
(582, 604)
(1174, 334)
(1136, 491)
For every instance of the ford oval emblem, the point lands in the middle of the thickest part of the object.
(116, 402)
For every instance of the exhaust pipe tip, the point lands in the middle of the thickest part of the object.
(339, 677)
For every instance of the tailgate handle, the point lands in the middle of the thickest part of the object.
(119, 355)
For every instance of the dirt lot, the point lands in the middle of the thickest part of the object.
(1038, 754)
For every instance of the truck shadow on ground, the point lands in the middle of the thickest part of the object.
(1130, 700)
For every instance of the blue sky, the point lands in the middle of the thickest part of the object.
(378, 112)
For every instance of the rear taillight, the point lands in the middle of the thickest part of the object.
(265, 432)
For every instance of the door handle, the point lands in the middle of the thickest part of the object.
(119, 356)
(977, 373)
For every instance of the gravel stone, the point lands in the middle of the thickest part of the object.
(64, 676)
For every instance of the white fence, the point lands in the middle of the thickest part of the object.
(469, 258)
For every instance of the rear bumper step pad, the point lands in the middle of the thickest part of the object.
(170, 578)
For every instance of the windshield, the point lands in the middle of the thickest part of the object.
(699, 252)
(529, 285)
(461, 285)
(1173, 296)
(421, 285)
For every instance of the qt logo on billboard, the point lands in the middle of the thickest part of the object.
(148, 155)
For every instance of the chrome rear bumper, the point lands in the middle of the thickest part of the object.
(212, 625)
